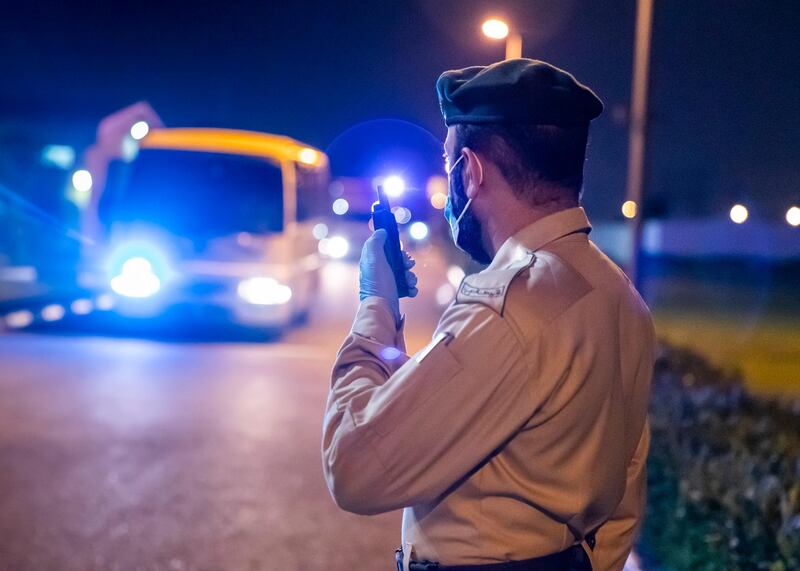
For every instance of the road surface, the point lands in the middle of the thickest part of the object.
(136, 454)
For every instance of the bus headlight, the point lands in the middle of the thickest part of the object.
(136, 279)
(264, 291)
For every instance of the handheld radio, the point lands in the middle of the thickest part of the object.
(382, 217)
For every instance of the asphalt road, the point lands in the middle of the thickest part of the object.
(120, 453)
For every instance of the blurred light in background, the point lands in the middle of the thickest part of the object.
(244, 239)
(418, 230)
(264, 291)
(130, 149)
(320, 231)
(401, 214)
(19, 274)
(308, 156)
(61, 156)
(82, 180)
(436, 189)
(394, 186)
(454, 275)
(793, 216)
(139, 130)
(81, 306)
(495, 29)
(19, 319)
(336, 188)
(436, 185)
(629, 209)
(438, 200)
(104, 302)
(340, 206)
(53, 312)
(335, 247)
(136, 279)
(445, 294)
(739, 213)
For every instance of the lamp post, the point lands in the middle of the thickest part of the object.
(499, 30)
(637, 131)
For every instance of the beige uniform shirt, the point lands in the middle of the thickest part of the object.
(521, 426)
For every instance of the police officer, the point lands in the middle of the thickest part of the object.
(517, 438)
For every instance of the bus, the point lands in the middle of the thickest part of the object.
(216, 220)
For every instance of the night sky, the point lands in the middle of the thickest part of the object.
(725, 86)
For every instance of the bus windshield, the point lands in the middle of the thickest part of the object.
(195, 194)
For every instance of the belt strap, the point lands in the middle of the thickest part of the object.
(572, 559)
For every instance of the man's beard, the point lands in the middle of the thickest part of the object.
(470, 237)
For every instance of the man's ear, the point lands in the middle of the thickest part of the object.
(473, 169)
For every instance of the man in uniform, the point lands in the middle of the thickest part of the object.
(517, 439)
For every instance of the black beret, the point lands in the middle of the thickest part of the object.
(516, 91)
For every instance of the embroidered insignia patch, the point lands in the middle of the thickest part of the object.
(472, 291)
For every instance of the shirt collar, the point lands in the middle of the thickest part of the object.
(542, 232)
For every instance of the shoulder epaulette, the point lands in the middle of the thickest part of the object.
(490, 286)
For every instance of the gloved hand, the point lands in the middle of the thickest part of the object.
(375, 277)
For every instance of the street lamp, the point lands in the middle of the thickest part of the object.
(637, 130)
(499, 30)
(739, 213)
(793, 216)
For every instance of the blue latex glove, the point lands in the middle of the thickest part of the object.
(375, 277)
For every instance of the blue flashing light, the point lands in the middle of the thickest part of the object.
(136, 279)
(137, 270)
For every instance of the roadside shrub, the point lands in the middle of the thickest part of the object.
(723, 472)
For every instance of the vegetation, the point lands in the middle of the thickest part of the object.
(724, 472)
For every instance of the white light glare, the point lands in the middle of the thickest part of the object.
(401, 214)
(391, 353)
(418, 230)
(52, 312)
(82, 180)
(454, 275)
(320, 231)
(264, 291)
(336, 247)
(308, 156)
(793, 216)
(136, 279)
(105, 302)
(340, 206)
(445, 294)
(81, 306)
(139, 130)
(495, 29)
(19, 319)
(394, 186)
(739, 213)
(61, 156)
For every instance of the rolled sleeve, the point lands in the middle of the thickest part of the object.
(399, 435)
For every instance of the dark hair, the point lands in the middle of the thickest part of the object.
(543, 164)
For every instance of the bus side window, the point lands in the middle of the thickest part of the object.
(312, 194)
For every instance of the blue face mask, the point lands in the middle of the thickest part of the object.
(464, 227)
(450, 216)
